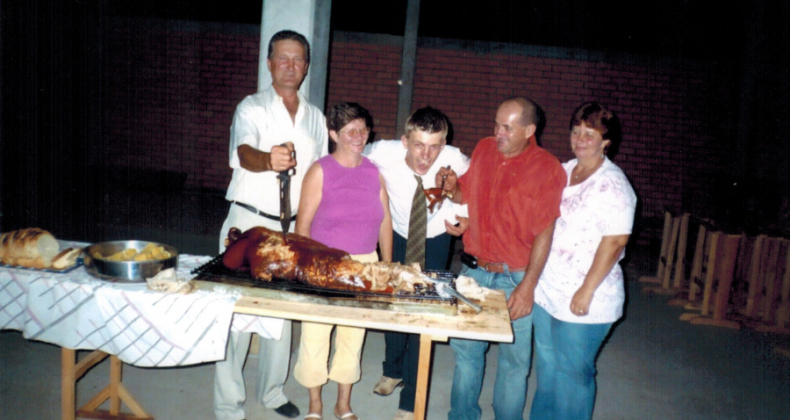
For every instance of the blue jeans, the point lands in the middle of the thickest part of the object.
(565, 365)
(510, 388)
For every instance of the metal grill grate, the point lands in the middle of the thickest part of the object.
(215, 271)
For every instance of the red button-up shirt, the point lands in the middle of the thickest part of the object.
(510, 201)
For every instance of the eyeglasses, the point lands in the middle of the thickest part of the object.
(356, 132)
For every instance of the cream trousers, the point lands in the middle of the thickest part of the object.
(311, 365)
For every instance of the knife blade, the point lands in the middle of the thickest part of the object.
(445, 287)
(285, 198)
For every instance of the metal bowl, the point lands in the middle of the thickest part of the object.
(126, 271)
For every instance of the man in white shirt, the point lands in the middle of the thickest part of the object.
(421, 151)
(266, 128)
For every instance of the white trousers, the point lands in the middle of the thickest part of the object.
(273, 360)
(274, 356)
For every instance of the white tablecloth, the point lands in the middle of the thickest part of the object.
(141, 327)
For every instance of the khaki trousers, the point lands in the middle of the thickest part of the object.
(311, 365)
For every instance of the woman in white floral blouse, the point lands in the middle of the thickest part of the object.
(581, 293)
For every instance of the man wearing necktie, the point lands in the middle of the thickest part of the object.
(408, 167)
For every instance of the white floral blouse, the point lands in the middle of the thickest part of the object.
(602, 205)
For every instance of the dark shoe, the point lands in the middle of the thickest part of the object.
(287, 410)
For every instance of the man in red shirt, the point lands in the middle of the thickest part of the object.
(513, 189)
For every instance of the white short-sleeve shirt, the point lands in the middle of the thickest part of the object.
(262, 121)
(390, 157)
(602, 205)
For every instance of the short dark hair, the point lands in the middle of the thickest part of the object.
(531, 113)
(345, 112)
(292, 36)
(602, 120)
(429, 120)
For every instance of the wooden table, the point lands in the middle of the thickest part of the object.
(492, 324)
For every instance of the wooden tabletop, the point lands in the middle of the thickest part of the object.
(492, 324)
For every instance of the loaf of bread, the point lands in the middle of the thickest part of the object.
(31, 247)
(66, 258)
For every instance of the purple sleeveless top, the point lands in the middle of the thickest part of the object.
(350, 213)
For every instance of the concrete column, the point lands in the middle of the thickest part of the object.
(311, 19)
(407, 65)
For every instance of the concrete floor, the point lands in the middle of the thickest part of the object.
(654, 366)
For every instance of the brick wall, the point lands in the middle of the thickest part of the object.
(171, 93)
(172, 89)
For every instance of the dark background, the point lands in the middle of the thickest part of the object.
(52, 85)
(698, 29)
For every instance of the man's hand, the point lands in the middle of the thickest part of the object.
(463, 225)
(280, 157)
(521, 300)
(449, 178)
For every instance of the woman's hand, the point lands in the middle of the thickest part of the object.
(580, 303)
(606, 257)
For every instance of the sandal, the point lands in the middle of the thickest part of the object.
(345, 416)
(313, 416)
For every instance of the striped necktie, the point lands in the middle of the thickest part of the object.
(418, 220)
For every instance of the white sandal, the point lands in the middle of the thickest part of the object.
(313, 416)
(345, 416)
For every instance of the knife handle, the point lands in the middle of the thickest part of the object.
(290, 171)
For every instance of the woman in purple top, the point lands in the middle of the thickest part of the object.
(343, 205)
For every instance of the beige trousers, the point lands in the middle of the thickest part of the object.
(311, 364)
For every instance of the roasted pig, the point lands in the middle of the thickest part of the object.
(301, 259)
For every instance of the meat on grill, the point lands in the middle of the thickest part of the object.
(267, 255)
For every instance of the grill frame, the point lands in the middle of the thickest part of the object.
(215, 272)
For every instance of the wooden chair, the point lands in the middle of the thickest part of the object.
(680, 259)
(773, 280)
(775, 313)
(697, 275)
(764, 259)
(662, 258)
(689, 292)
(675, 258)
(704, 267)
(718, 282)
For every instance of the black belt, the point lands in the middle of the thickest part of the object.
(260, 213)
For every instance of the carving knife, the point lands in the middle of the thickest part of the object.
(285, 199)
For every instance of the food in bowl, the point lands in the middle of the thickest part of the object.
(98, 264)
(151, 252)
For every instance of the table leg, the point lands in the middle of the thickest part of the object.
(67, 382)
(115, 392)
(115, 382)
(423, 372)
